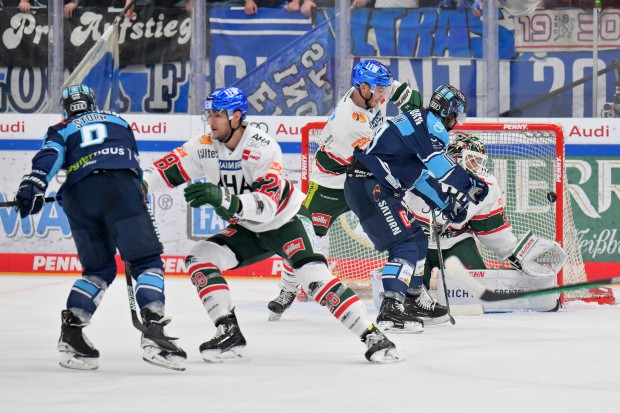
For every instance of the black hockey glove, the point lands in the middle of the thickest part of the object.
(479, 189)
(455, 211)
(31, 193)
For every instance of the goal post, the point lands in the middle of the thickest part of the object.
(528, 160)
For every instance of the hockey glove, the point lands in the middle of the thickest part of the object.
(404, 97)
(479, 189)
(455, 211)
(31, 193)
(202, 193)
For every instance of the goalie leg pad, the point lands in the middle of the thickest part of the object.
(537, 257)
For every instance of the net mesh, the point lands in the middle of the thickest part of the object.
(528, 162)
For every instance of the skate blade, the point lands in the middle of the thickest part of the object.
(436, 320)
(216, 356)
(70, 360)
(152, 356)
(407, 328)
(274, 316)
(386, 356)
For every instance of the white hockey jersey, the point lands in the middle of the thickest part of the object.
(253, 171)
(487, 221)
(348, 127)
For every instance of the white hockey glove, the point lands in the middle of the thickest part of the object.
(404, 97)
(537, 257)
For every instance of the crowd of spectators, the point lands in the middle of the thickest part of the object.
(307, 7)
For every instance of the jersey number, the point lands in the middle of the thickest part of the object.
(93, 134)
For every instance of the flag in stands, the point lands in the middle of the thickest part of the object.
(99, 69)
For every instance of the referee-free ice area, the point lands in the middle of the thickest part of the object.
(568, 361)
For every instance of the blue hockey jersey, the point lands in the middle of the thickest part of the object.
(86, 142)
(409, 153)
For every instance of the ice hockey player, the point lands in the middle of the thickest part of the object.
(409, 153)
(243, 183)
(486, 222)
(357, 117)
(106, 210)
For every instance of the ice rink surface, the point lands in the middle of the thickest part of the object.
(568, 361)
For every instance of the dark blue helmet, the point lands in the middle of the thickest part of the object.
(448, 100)
(371, 72)
(229, 99)
(77, 99)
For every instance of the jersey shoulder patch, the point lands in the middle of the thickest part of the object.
(435, 127)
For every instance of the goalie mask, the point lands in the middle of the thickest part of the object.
(77, 99)
(229, 99)
(450, 105)
(469, 151)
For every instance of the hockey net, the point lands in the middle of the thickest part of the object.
(528, 161)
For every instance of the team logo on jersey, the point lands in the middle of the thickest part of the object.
(402, 214)
(293, 247)
(206, 140)
(233, 165)
(275, 166)
(207, 153)
(250, 156)
(321, 220)
(227, 232)
(375, 191)
(377, 121)
(361, 142)
(258, 141)
(358, 117)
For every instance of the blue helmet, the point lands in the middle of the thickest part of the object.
(371, 72)
(229, 99)
(77, 99)
(448, 100)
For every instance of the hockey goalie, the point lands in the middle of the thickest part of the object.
(535, 261)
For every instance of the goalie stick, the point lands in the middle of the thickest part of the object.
(438, 230)
(458, 270)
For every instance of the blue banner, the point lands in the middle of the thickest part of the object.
(295, 81)
(239, 43)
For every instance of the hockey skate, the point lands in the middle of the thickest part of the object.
(380, 348)
(279, 305)
(393, 317)
(76, 350)
(159, 352)
(228, 342)
(421, 304)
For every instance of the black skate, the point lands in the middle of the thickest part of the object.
(157, 351)
(280, 304)
(228, 342)
(76, 350)
(421, 304)
(393, 317)
(380, 348)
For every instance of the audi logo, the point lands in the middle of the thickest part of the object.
(260, 125)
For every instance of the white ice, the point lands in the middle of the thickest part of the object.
(566, 361)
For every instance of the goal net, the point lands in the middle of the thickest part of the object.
(528, 161)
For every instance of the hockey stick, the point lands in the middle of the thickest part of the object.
(137, 323)
(458, 270)
(437, 230)
(15, 203)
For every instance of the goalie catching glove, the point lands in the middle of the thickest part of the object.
(226, 205)
(537, 257)
(404, 97)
